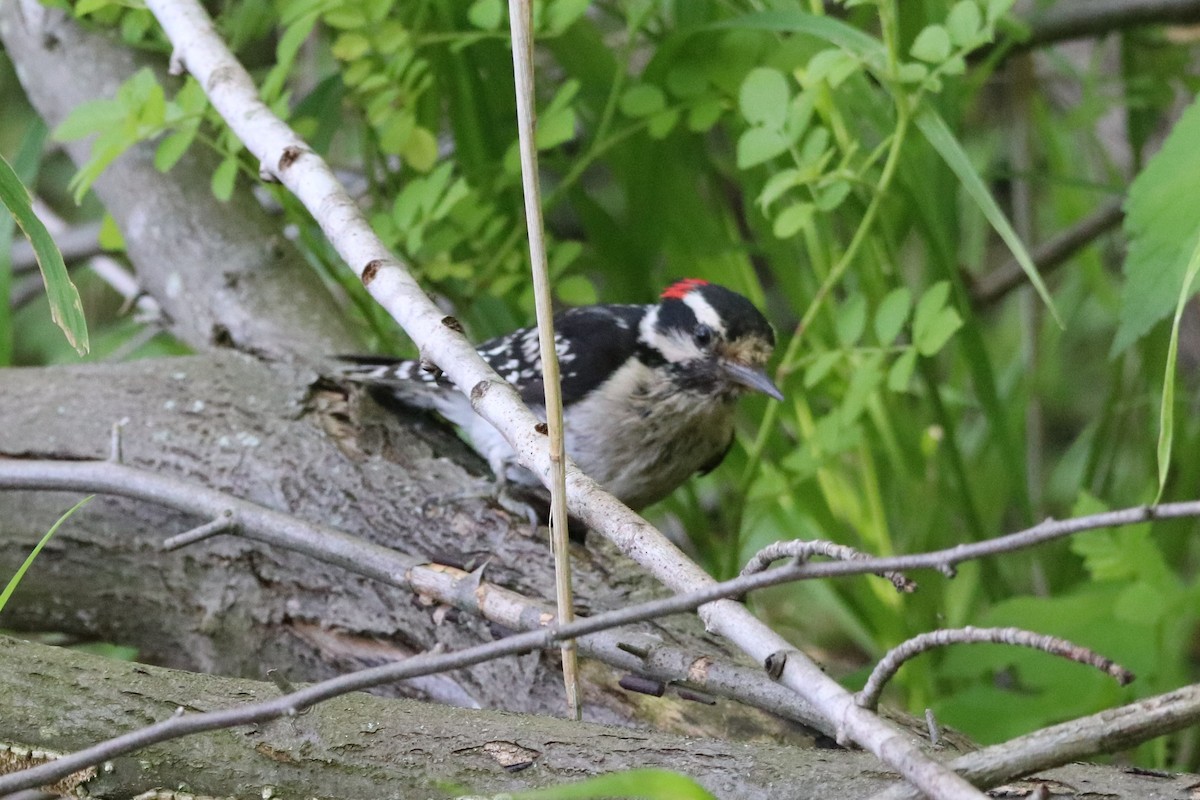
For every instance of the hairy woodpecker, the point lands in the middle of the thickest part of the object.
(648, 390)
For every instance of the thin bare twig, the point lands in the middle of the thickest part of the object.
(802, 550)
(225, 523)
(895, 658)
(445, 584)
(1075, 19)
(520, 14)
(293, 703)
(1045, 531)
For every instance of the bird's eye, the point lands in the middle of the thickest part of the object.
(703, 335)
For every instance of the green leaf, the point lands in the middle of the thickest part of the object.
(814, 146)
(554, 128)
(687, 81)
(650, 784)
(1166, 427)
(703, 115)
(662, 123)
(763, 98)
(891, 314)
(965, 23)
(224, 177)
(110, 237)
(420, 151)
(998, 8)
(863, 383)
(350, 46)
(174, 146)
(85, 7)
(792, 219)
(561, 14)
(820, 367)
(954, 65)
(851, 320)
(831, 196)
(486, 14)
(822, 27)
(938, 134)
(901, 370)
(295, 34)
(832, 66)
(757, 145)
(1161, 224)
(934, 322)
(800, 113)
(65, 307)
(642, 101)
(776, 185)
(21, 570)
(912, 72)
(932, 45)
(576, 290)
(87, 118)
(396, 130)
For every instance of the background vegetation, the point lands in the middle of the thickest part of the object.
(850, 168)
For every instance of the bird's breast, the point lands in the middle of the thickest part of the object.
(640, 436)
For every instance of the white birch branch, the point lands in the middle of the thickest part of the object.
(286, 157)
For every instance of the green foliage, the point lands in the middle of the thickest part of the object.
(65, 306)
(1163, 225)
(644, 784)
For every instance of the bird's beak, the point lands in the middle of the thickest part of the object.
(751, 377)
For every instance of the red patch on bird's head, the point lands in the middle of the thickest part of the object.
(679, 289)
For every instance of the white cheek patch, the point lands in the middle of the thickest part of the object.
(675, 346)
(704, 312)
(678, 347)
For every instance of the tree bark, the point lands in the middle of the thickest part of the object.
(363, 746)
(277, 435)
(222, 271)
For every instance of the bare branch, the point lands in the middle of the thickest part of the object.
(1075, 19)
(1050, 255)
(226, 523)
(895, 658)
(1109, 731)
(445, 584)
(1048, 530)
(803, 550)
(293, 703)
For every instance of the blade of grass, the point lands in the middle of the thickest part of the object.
(1166, 427)
(65, 307)
(944, 142)
(25, 163)
(21, 570)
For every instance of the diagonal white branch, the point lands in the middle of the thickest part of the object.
(286, 157)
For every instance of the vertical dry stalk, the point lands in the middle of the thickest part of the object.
(521, 20)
